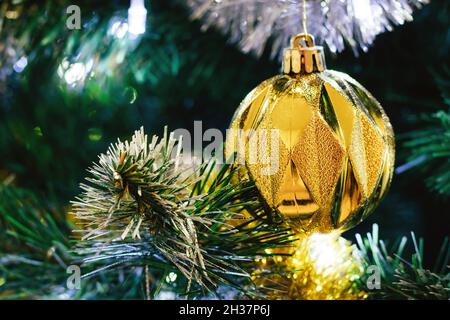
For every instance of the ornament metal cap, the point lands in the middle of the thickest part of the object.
(303, 56)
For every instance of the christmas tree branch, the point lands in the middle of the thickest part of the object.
(429, 148)
(403, 278)
(34, 245)
(143, 206)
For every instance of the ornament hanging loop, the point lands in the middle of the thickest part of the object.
(304, 23)
(302, 40)
(304, 56)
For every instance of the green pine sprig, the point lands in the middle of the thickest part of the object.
(429, 148)
(403, 277)
(143, 207)
(34, 245)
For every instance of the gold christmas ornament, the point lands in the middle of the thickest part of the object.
(318, 145)
(317, 267)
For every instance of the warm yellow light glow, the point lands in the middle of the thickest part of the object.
(320, 266)
(12, 14)
(325, 250)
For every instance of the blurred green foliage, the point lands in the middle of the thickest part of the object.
(51, 131)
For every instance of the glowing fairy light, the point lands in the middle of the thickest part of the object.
(137, 17)
(325, 250)
(12, 14)
(21, 64)
(74, 73)
(171, 277)
(119, 29)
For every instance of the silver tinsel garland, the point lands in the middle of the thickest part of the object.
(334, 23)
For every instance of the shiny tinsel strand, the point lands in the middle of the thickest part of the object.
(254, 24)
(320, 266)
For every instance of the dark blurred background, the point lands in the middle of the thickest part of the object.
(66, 95)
